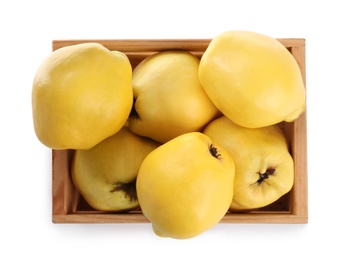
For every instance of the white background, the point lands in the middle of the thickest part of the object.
(27, 29)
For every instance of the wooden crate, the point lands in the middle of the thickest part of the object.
(69, 207)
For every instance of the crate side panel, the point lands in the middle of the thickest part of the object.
(65, 195)
(299, 202)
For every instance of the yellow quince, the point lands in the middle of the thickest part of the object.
(81, 95)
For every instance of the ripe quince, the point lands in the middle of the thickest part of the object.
(264, 167)
(252, 79)
(185, 186)
(81, 95)
(105, 175)
(169, 99)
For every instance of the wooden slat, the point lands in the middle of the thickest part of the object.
(153, 45)
(64, 195)
(299, 203)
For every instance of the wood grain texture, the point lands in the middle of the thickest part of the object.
(69, 207)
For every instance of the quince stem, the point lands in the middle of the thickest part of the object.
(214, 152)
(265, 175)
(128, 188)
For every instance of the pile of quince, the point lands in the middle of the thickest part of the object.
(185, 139)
